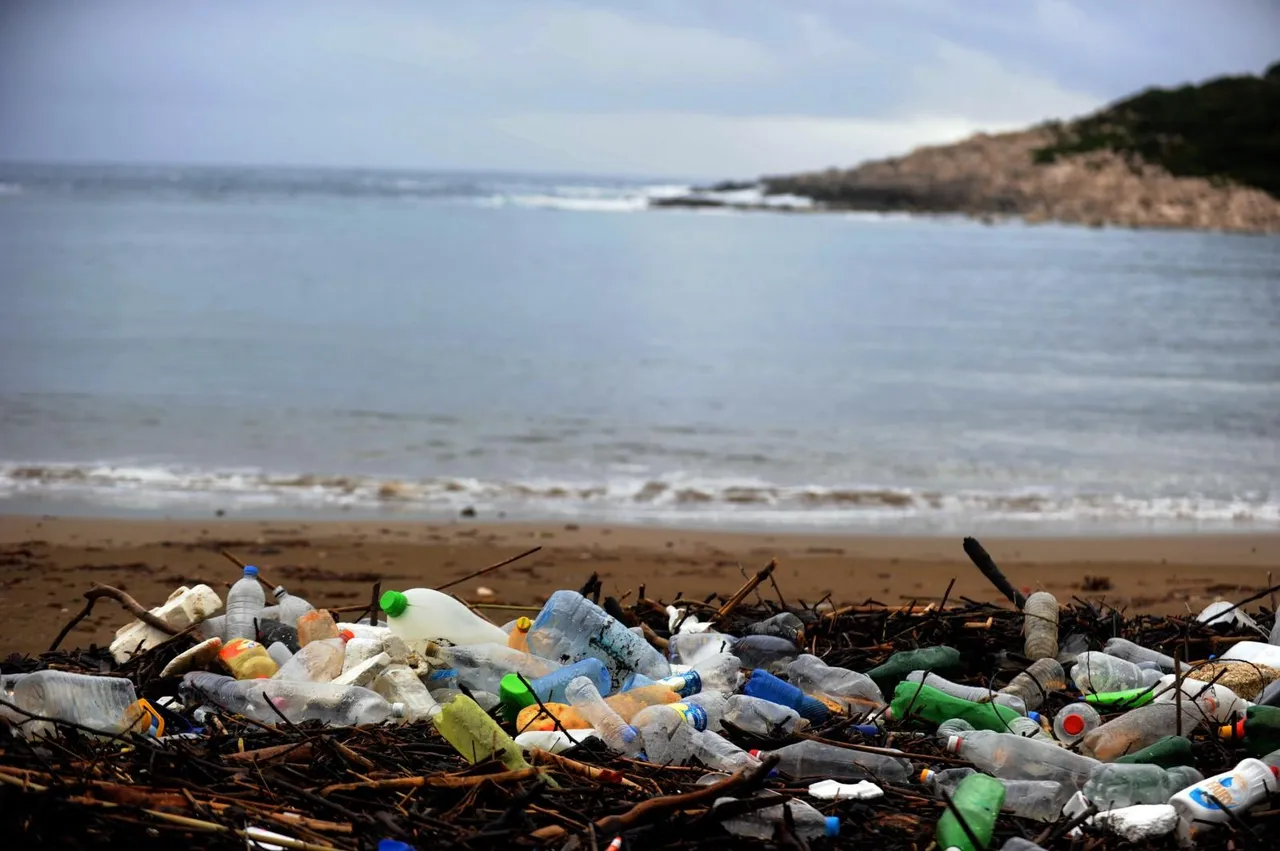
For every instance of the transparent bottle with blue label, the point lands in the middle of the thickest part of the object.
(571, 628)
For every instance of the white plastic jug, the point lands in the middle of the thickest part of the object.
(421, 615)
(184, 607)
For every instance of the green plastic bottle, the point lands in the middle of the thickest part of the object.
(896, 668)
(1260, 730)
(978, 799)
(475, 735)
(1167, 752)
(916, 700)
(1128, 699)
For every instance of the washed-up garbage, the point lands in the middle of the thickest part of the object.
(420, 722)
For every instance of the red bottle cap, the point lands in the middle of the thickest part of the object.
(1073, 725)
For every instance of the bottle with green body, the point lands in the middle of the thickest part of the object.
(978, 799)
(475, 735)
(916, 700)
(1260, 730)
(1120, 700)
(896, 668)
(1166, 752)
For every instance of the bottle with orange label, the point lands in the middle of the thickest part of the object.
(247, 660)
(626, 704)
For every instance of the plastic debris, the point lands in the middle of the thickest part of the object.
(834, 790)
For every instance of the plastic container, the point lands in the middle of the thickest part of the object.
(917, 700)
(977, 800)
(482, 666)
(666, 732)
(570, 628)
(812, 675)
(973, 694)
(475, 735)
(1200, 806)
(1040, 800)
(1098, 672)
(1260, 730)
(940, 660)
(608, 724)
(784, 625)
(316, 625)
(290, 606)
(422, 615)
(1074, 721)
(764, 651)
(815, 759)
(626, 704)
(1166, 752)
(714, 673)
(1117, 785)
(1034, 685)
(247, 660)
(687, 648)
(1040, 626)
(1123, 648)
(762, 717)
(808, 822)
(1138, 728)
(317, 662)
(516, 695)
(399, 684)
(184, 607)
(718, 753)
(766, 686)
(104, 704)
(296, 701)
(1218, 702)
(244, 601)
(518, 638)
(1257, 652)
(1015, 758)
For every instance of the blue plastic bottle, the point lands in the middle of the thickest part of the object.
(766, 686)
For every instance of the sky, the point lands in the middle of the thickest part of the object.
(691, 88)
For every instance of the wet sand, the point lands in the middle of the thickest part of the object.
(46, 563)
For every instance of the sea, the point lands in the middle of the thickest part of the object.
(266, 342)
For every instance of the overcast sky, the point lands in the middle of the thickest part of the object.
(694, 88)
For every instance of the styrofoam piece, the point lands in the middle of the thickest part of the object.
(365, 673)
(1141, 821)
(184, 607)
(555, 741)
(834, 790)
(196, 657)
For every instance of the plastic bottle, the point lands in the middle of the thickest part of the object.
(713, 704)
(973, 694)
(421, 615)
(953, 727)
(104, 704)
(764, 651)
(1040, 626)
(1138, 728)
(687, 648)
(515, 695)
(784, 625)
(1166, 752)
(917, 700)
(977, 799)
(1123, 648)
(399, 684)
(184, 607)
(616, 733)
(247, 660)
(1074, 721)
(291, 606)
(762, 717)
(766, 686)
(1257, 652)
(1260, 730)
(626, 704)
(1028, 728)
(482, 666)
(815, 759)
(1017, 843)
(1015, 758)
(1034, 685)
(666, 732)
(1270, 696)
(1218, 702)
(812, 675)
(937, 659)
(475, 735)
(1112, 786)
(518, 638)
(244, 601)
(714, 673)
(1237, 790)
(279, 653)
(316, 662)
(1098, 672)
(762, 824)
(296, 701)
(316, 625)
(718, 753)
(1040, 800)
(570, 627)
(270, 632)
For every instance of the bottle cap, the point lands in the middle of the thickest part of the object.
(925, 774)
(755, 752)
(1235, 730)
(833, 825)
(279, 591)
(953, 744)
(523, 624)
(250, 570)
(1034, 716)
(346, 635)
(1073, 724)
(393, 603)
(515, 695)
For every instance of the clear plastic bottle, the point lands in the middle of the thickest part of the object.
(1015, 758)
(551, 687)
(666, 732)
(1123, 648)
(714, 673)
(475, 735)
(766, 686)
(608, 724)
(784, 625)
(399, 684)
(245, 601)
(570, 627)
(1034, 685)
(1040, 800)
(1040, 626)
(953, 727)
(762, 717)
(291, 607)
(99, 703)
(1113, 786)
(809, 673)
(763, 823)
(815, 759)
(296, 701)
(1027, 728)
(482, 666)
(713, 705)
(718, 753)
(1218, 702)
(1074, 721)
(1099, 673)
(688, 648)
(317, 625)
(974, 694)
(764, 651)
(1249, 783)
(1138, 728)
(317, 662)
(627, 704)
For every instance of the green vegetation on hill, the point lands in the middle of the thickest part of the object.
(1227, 128)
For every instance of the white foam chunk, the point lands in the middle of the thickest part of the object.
(834, 790)
(1141, 821)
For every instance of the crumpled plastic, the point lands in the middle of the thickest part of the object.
(1141, 821)
(687, 624)
(834, 790)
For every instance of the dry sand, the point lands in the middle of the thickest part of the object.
(46, 563)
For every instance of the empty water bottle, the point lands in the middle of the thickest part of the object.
(1034, 685)
(570, 627)
(762, 717)
(104, 704)
(291, 607)
(1041, 800)
(609, 726)
(1040, 626)
(482, 666)
(764, 651)
(784, 625)
(399, 684)
(1123, 648)
(815, 759)
(1113, 786)
(1140, 727)
(1074, 721)
(714, 673)
(666, 732)
(296, 701)
(810, 674)
(953, 727)
(974, 694)
(718, 753)
(244, 603)
(763, 823)
(1098, 672)
(766, 686)
(1015, 758)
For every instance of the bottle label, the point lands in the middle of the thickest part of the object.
(693, 714)
(690, 682)
(1231, 791)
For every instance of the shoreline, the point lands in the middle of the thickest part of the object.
(47, 562)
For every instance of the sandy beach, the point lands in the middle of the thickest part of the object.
(46, 563)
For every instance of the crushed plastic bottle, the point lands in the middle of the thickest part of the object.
(762, 717)
(626, 704)
(784, 625)
(1040, 800)
(475, 735)
(764, 651)
(570, 628)
(666, 732)
(977, 800)
(846, 691)
(1074, 721)
(1206, 803)
(1122, 648)
(1098, 672)
(296, 701)
(718, 753)
(422, 615)
(1034, 685)
(762, 823)
(1140, 727)
(316, 662)
(714, 673)
(399, 684)
(608, 724)
(1116, 785)
(766, 686)
(482, 666)
(941, 660)
(1015, 758)
(815, 759)
(973, 694)
(245, 601)
(291, 607)
(104, 704)
(1040, 626)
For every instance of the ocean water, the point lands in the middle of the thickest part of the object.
(286, 342)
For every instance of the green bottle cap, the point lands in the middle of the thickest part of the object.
(515, 695)
(393, 603)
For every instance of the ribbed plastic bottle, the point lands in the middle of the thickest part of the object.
(766, 686)
(609, 726)
(1138, 728)
(917, 700)
(714, 673)
(815, 759)
(977, 799)
(99, 703)
(718, 753)
(784, 625)
(1115, 785)
(475, 735)
(1200, 806)
(1015, 758)
(762, 717)
(1260, 730)
(399, 684)
(482, 666)
(764, 651)
(1040, 626)
(570, 627)
(244, 601)
(810, 674)
(297, 701)
(626, 704)
(317, 662)
(941, 660)
(421, 615)
(291, 607)
(1098, 672)
(1123, 648)
(763, 823)
(1040, 800)
(1034, 685)
(1074, 721)
(973, 694)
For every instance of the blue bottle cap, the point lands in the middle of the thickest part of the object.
(867, 729)
(1034, 716)
(394, 845)
(833, 825)
(250, 570)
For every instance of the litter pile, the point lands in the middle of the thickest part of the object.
(595, 723)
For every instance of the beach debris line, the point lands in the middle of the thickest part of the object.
(421, 724)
